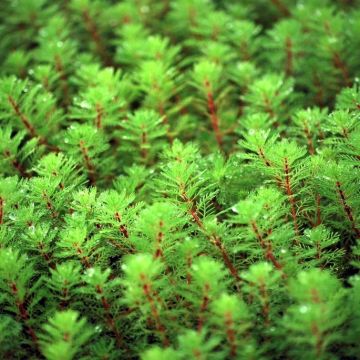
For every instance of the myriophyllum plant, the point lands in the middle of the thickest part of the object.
(179, 180)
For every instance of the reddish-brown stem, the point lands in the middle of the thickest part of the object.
(109, 318)
(319, 96)
(267, 246)
(88, 164)
(315, 296)
(270, 256)
(193, 210)
(281, 7)
(16, 164)
(195, 216)
(159, 239)
(262, 156)
(268, 164)
(29, 127)
(203, 307)
(289, 57)
(143, 140)
(213, 114)
(230, 334)
(65, 294)
(341, 66)
(154, 312)
(122, 227)
(49, 205)
(99, 115)
(268, 108)
(23, 313)
(266, 306)
(319, 341)
(214, 239)
(257, 234)
(92, 29)
(309, 139)
(217, 242)
(166, 122)
(347, 209)
(345, 133)
(84, 258)
(244, 46)
(290, 195)
(46, 256)
(64, 81)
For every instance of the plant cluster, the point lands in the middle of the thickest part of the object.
(179, 179)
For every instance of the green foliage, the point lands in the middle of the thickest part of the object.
(64, 335)
(179, 179)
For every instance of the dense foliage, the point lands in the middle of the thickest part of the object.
(179, 179)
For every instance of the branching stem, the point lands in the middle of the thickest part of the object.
(213, 115)
(347, 209)
(290, 195)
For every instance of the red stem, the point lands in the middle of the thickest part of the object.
(49, 205)
(165, 122)
(266, 306)
(16, 164)
(60, 69)
(319, 341)
(84, 258)
(339, 64)
(262, 156)
(89, 166)
(214, 239)
(281, 7)
(267, 246)
(347, 209)
(122, 227)
(46, 256)
(22, 117)
(289, 57)
(309, 139)
(23, 313)
(99, 114)
(290, 195)
(109, 318)
(230, 334)
(217, 242)
(159, 239)
(154, 312)
(213, 115)
(203, 307)
(92, 29)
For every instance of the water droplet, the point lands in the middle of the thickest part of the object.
(91, 272)
(85, 105)
(12, 217)
(145, 9)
